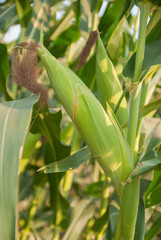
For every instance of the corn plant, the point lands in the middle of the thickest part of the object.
(80, 120)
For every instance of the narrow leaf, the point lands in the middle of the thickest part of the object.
(4, 71)
(149, 108)
(150, 161)
(83, 156)
(140, 222)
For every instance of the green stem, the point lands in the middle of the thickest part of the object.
(120, 100)
(144, 92)
(135, 96)
(128, 210)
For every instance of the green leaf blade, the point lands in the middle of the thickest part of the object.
(69, 163)
(15, 118)
(150, 161)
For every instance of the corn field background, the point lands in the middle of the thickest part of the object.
(80, 127)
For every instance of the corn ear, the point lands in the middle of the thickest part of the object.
(99, 133)
(89, 117)
(127, 158)
(108, 85)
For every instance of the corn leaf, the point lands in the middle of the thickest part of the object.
(4, 71)
(24, 11)
(149, 108)
(41, 14)
(15, 119)
(113, 218)
(85, 18)
(150, 161)
(154, 230)
(83, 156)
(47, 123)
(80, 215)
(154, 27)
(115, 42)
(113, 14)
(140, 222)
(63, 25)
(153, 193)
(152, 58)
(7, 12)
(57, 201)
(29, 146)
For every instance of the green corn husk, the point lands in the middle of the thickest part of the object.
(108, 85)
(100, 134)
